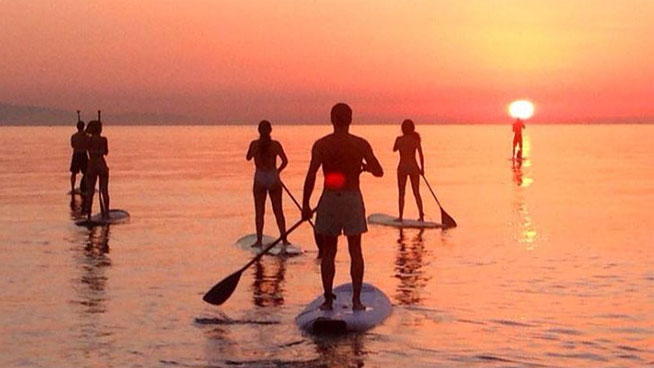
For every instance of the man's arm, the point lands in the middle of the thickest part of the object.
(310, 182)
(395, 147)
(251, 151)
(372, 164)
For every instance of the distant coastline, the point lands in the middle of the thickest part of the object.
(20, 115)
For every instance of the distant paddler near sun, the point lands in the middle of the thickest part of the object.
(521, 110)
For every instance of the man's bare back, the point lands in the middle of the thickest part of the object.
(342, 157)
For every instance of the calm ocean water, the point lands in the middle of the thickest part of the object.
(551, 265)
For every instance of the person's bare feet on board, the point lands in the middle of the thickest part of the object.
(327, 305)
(358, 306)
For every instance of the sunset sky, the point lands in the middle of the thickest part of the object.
(289, 61)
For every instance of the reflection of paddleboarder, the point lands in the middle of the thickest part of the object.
(408, 144)
(343, 157)
(518, 126)
(266, 179)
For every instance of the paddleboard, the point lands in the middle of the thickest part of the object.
(115, 217)
(342, 318)
(384, 219)
(278, 250)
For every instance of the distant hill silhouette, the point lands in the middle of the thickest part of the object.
(37, 115)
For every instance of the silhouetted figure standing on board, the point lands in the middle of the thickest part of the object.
(98, 147)
(407, 144)
(343, 158)
(80, 159)
(518, 126)
(266, 179)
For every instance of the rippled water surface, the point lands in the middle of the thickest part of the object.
(551, 265)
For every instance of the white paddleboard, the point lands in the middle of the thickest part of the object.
(246, 243)
(342, 318)
(383, 219)
(115, 217)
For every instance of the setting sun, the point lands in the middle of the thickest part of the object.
(521, 109)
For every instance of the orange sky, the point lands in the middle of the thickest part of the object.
(289, 61)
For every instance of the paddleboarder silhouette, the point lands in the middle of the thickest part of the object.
(343, 157)
(407, 144)
(80, 159)
(98, 147)
(265, 151)
(518, 126)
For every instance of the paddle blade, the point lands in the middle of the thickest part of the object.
(447, 220)
(222, 290)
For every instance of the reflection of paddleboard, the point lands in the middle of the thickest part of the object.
(247, 241)
(342, 318)
(383, 219)
(115, 217)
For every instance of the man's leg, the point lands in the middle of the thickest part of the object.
(327, 269)
(356, 270)
(73, 176)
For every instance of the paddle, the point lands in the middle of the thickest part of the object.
(220, 292)
(316, 237)
(100, 196)
(297, 204)
(79, 118)
(447, 220)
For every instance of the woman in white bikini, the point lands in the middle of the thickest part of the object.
(408, 143)
(266, 178)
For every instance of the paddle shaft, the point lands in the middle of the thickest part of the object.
(272, 245)
(432, 191)
(100, 197)
(295, 201)
(78, 116)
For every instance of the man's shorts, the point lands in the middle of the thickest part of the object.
(341, 212)
(79, 162)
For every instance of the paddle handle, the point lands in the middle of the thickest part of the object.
(295, 201)
(432, 191)
(99, 115)
(272, 245)
(78, 116)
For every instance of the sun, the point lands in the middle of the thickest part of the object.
(521, 109)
